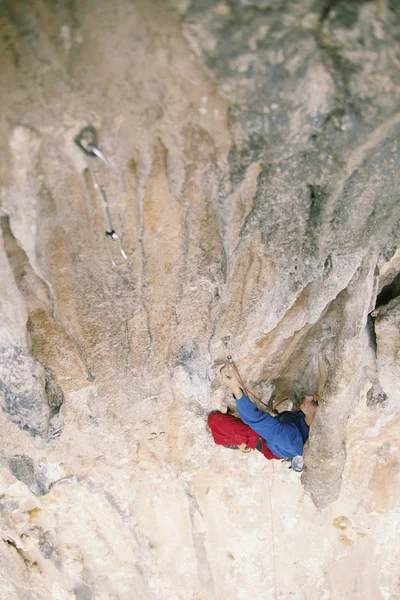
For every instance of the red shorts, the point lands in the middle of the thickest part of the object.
(228, 430)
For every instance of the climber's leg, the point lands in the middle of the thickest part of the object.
(263, 448)
(228, 430)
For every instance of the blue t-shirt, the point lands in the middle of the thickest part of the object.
(285, 435)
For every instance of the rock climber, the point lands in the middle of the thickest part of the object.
(281, 437)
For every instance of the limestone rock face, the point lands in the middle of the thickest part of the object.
(253, 180)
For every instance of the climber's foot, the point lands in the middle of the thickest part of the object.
(309, 406)
(244, 448)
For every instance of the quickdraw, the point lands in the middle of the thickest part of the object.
(86, 140)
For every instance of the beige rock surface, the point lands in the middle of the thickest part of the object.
(254, 176)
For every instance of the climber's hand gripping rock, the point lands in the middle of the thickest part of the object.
(230, 378)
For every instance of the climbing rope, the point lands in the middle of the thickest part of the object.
(247, 390)
(86, 140)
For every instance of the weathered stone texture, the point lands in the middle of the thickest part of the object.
(254, 181)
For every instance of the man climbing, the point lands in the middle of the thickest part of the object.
(281, 436)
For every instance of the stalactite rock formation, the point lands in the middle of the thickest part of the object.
(253, 180)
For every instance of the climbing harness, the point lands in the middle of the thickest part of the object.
(86, 140)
